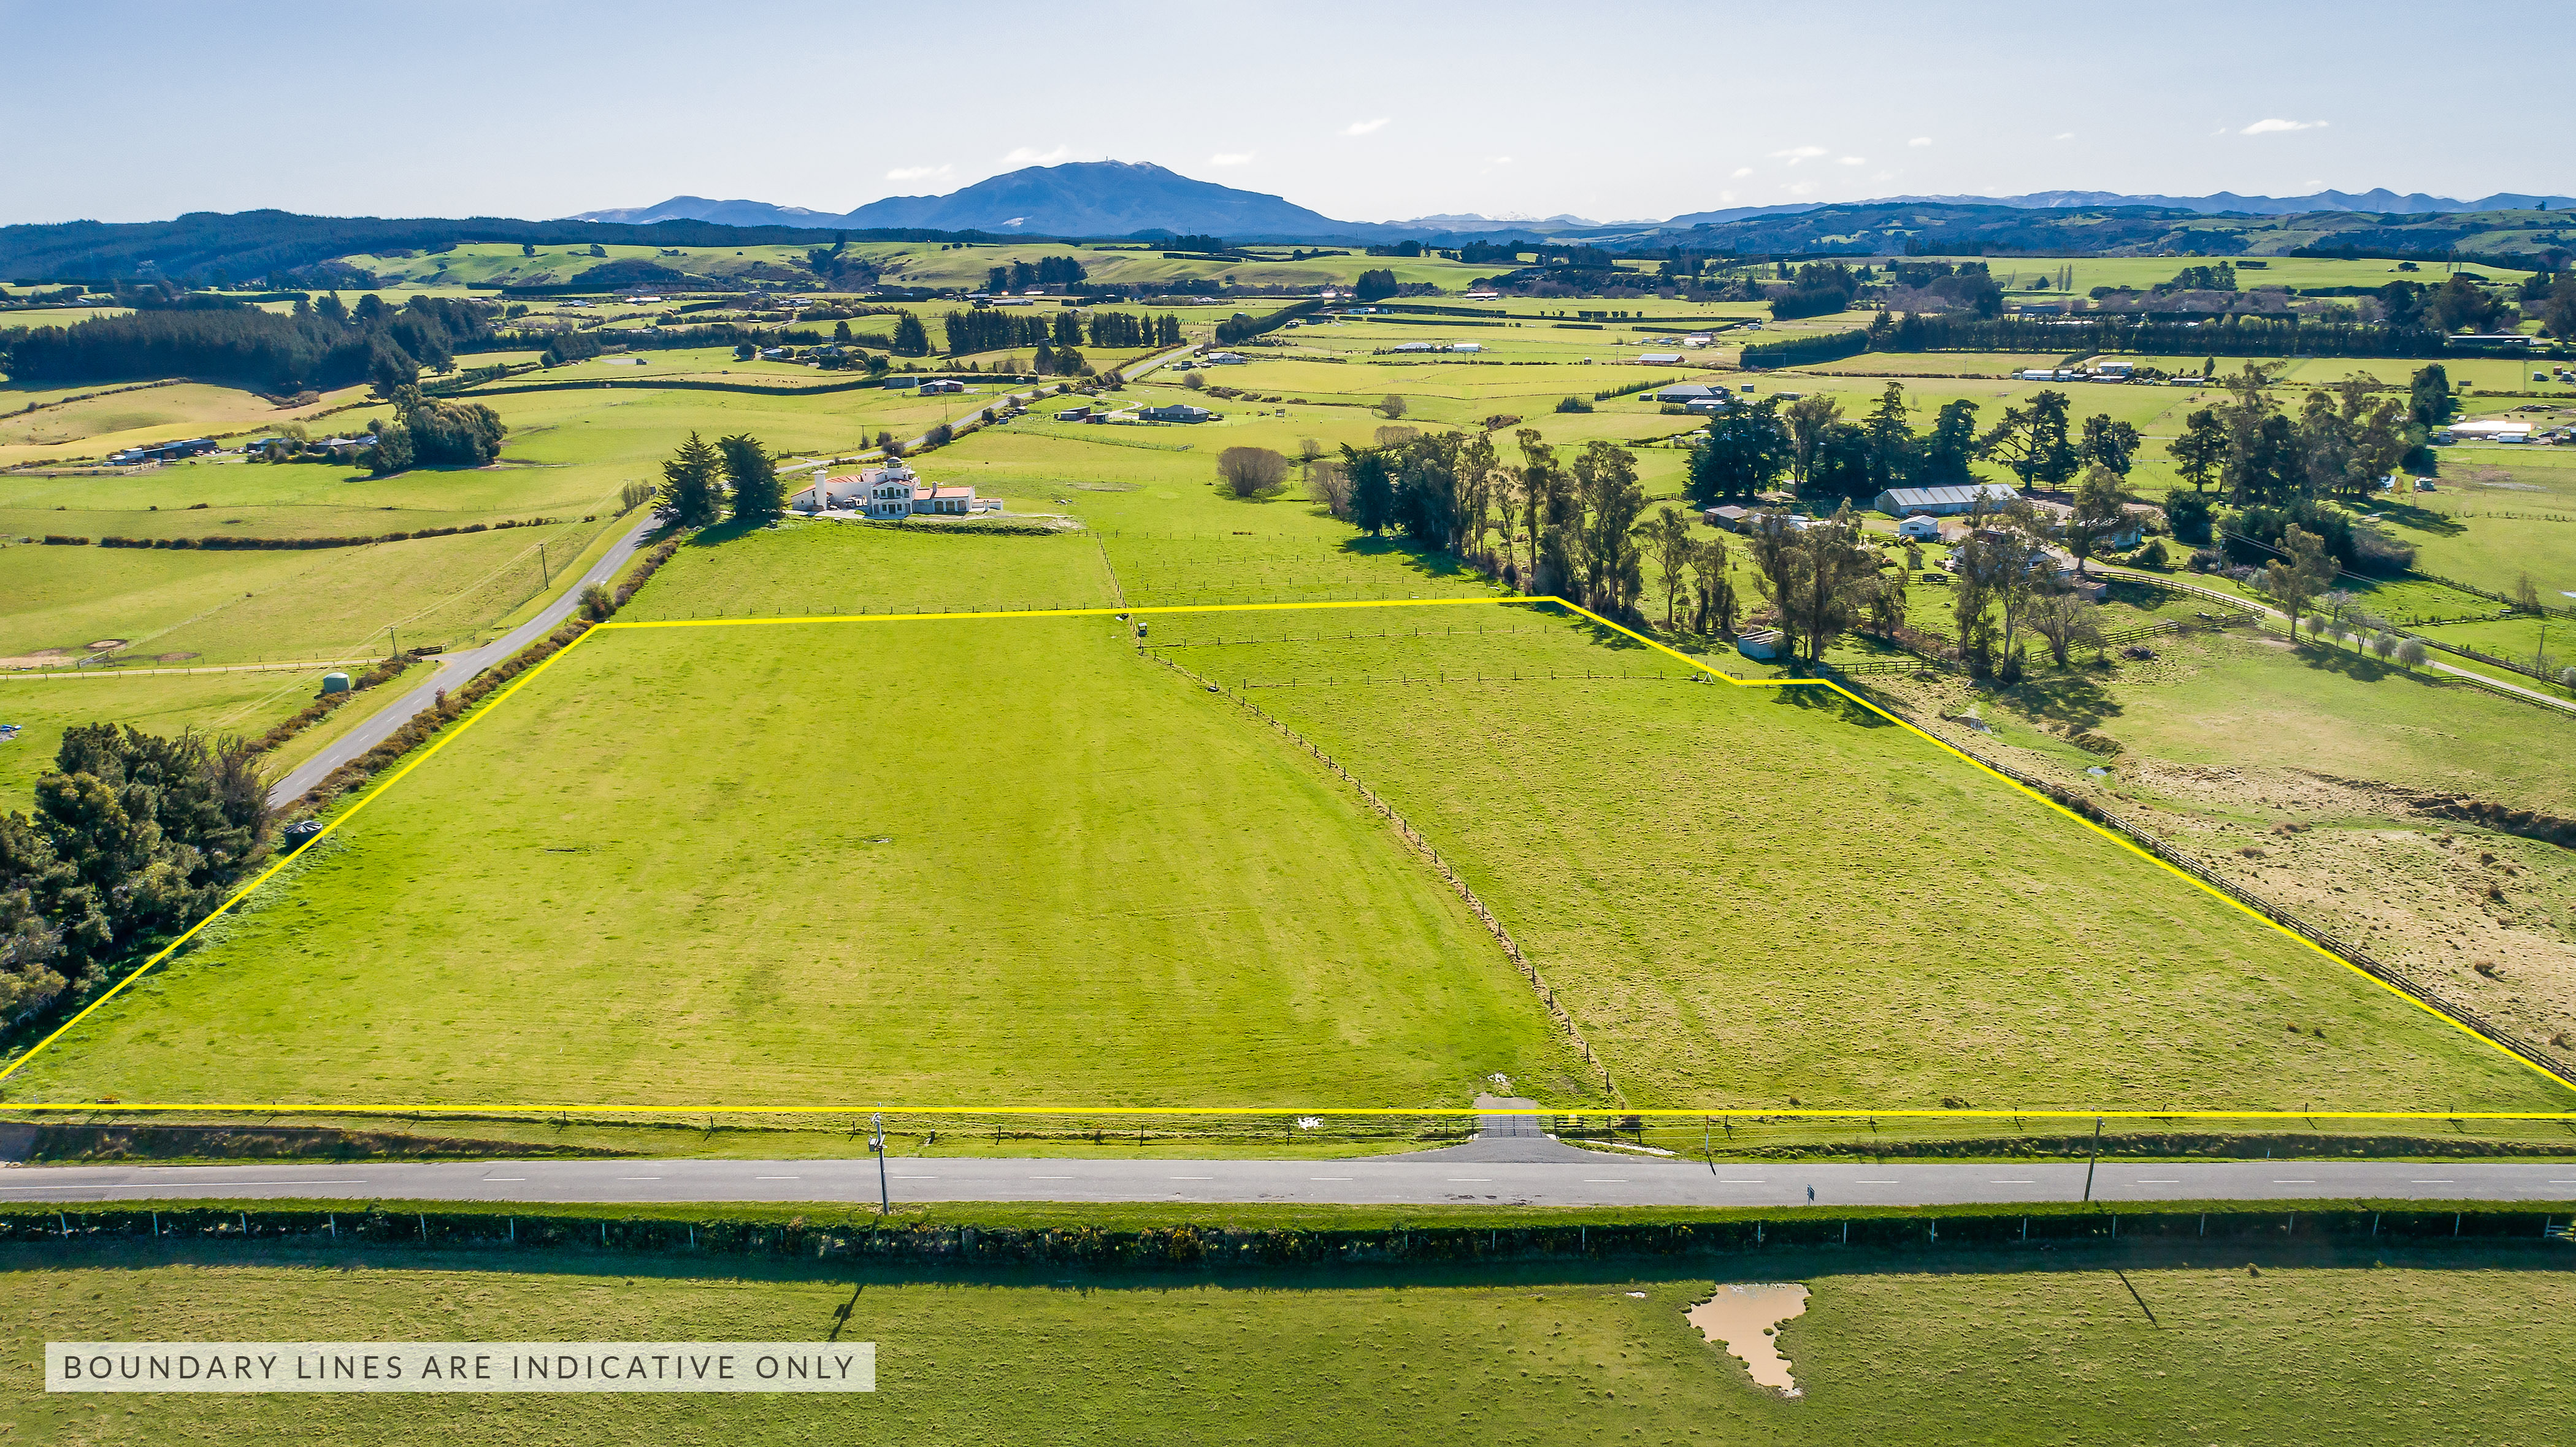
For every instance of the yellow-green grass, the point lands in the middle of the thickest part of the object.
(1747, 896)
(2396, 1347)
(251, 606)
(56, 316)
(568, 454)
(246, 703)
(2518, 639)
(2234, 701)
(2502, 513)
(2297, 271)
(105, 424)
(808, 569)
(942, 862)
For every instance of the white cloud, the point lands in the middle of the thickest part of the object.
(1801, 189)
(1743, 171)
(2063, 136)
(1362, 128)
(1920, 141)
(917, 173)
(1795, 154)
(1230, 158)
(1498, 160)
(1853, 160)
(1031, 156)
(2270, 124)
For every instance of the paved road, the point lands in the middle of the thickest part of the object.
(1491, 1170)
(455, 670)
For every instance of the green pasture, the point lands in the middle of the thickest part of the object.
(2142, 272)
(2402, 1346)
(246, 703)
(100, 425)
(812, 568)
(2517, 638)
(1754, 896)
(2239, 700)
(2500, 513)
(203, 607)
(16, 319)
(934, 862)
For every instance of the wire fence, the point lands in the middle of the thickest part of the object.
(2333, 944)
(1414, 837)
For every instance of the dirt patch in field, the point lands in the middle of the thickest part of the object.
(1744, 1317)
(41, 658)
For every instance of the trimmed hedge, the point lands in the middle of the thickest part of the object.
(227, 543)
(864, 1237)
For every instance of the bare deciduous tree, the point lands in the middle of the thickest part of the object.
(1329, 483)
(2065, 621)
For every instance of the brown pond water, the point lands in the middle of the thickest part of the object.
(1743, 1316)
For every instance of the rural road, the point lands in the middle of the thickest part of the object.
(2276, 616)
(1498, 1171)
(454, 671)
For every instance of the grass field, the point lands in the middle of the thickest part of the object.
(208, 608)
(953, 861)
(247, 703)
(2403, 1347)
(1745, 897)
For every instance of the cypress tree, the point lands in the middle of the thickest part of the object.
(692, 486)
(753, 475)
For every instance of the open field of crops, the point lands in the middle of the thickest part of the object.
(2408, 1347)
(945, 861)
(1748, 897)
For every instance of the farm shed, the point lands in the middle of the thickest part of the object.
(1942, 501)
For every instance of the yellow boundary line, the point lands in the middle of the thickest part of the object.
(1696, 665)
(1729, 1112)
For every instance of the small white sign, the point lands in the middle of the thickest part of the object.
(460, 1366)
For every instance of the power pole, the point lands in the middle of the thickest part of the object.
(877, 1143)
(2097, 1158)
(545, 574)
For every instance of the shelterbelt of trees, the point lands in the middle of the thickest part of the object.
(319, 345)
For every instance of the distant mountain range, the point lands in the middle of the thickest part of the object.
(1110, 199)
(1120, 198)
(1079, 198)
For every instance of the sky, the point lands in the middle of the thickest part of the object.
(1365, 112)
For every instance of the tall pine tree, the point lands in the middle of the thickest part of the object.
(692, 486)
(753, 475)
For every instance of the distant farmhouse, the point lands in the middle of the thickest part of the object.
(1176, 412)
(889, 493)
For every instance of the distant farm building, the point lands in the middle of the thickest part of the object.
(1943, 501)
(1176, 412)
(1689, 392)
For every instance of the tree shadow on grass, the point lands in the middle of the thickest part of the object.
(2422, 519)
(723, 533)
(2347, 663)
(1816, 698)
(1420, 561)
(2070, 696)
